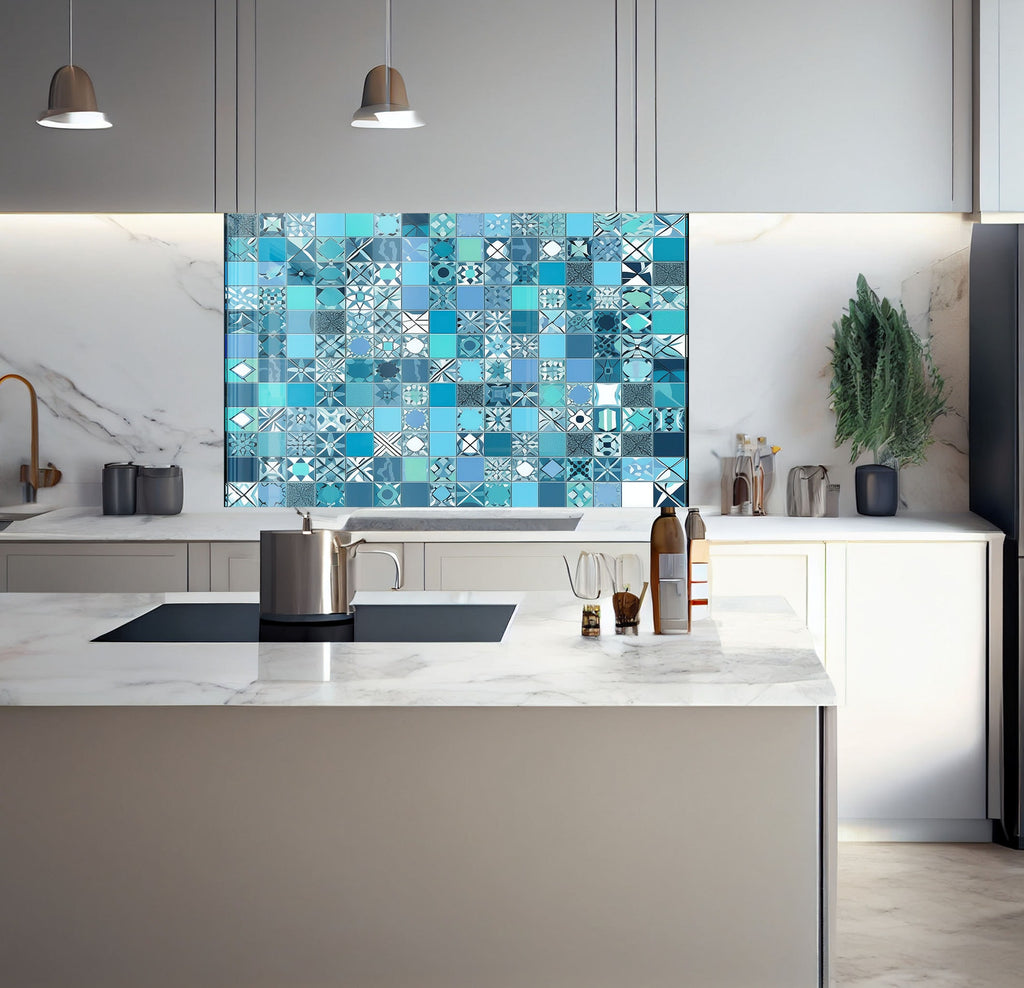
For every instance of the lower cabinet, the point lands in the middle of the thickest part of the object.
(794, 571)
(912, 732)
(94, 567)
(902, 628)
(512, 565)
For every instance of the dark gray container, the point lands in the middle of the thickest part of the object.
(159, 490)
(119, 480)
(878, 489)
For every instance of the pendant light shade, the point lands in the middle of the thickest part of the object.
(72, 103)
(385, 102)
(383, 106)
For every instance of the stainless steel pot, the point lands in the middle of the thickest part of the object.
(305, 573)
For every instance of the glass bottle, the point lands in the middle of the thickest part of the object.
(668, 572)
(743, 477)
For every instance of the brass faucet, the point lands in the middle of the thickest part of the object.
(30, 476)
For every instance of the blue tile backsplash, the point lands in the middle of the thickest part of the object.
(470, 359)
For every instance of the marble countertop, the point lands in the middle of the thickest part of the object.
(752, 652)
(596, 525)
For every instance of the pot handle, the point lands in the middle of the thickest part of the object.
(343, 547)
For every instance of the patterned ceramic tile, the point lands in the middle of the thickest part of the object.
(476, 359)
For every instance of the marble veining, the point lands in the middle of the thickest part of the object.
(131, 316)
(113, 328)
(942, 915)
(750, 654)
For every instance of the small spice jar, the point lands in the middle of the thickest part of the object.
(591, 627)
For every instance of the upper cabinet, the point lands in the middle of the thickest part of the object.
(518, 99)
(153, 69)
(999, 108)
(532, 105)
(804, 106)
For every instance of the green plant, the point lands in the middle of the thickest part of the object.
(886, 391)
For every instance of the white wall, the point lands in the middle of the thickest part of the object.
(117, 320)
(764, 292)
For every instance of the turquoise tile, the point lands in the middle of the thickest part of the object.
(607, 273)
(240, 273)
(415, 273)
(504, 342)
(301, 296)
(669, 322)
(330, 224)
(670, 248)
(669, 395)
(301, 346)
(524, 495)
(442, 321)
(524, 297)
(273, 395)
(359, 224)
(579, 224)
(551, 273)
(442, 347)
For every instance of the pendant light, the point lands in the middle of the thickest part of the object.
(72, 104)
(385, 102)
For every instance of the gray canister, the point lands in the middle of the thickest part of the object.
(159, 491)
(119, 488)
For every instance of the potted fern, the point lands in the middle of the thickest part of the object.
(886, 393)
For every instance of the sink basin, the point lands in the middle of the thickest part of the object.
(240, 622)
(460, 520)
(18, 512)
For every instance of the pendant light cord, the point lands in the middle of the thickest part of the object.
(387, 52)
(71, 32)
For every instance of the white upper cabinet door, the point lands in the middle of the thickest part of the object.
(805, 106)
(518, 100)
(152, 66)
(1000, 107)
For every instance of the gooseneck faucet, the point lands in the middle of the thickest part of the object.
(30, 476)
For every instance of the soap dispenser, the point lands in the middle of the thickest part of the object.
(668, 573)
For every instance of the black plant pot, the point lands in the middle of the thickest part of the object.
(878, 489)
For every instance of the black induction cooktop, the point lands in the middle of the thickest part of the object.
(234, 622)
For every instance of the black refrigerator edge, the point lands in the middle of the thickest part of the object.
(996, 482)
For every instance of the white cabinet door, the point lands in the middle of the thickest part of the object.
(236, 566)
(153, 69)
(94, 567)
(804, 106)
(1000, 106)
(911, 735)
(794, 571)
(512, 565)
(518, 99)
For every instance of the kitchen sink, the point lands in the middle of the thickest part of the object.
(19, 512)
(240, 622)
(460, 520)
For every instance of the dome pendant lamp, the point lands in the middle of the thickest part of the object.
(385, 102)
(72, 104)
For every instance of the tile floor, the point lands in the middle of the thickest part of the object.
(942, 915)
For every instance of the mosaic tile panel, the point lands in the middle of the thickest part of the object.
(474, 359)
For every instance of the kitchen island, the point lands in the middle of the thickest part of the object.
(541, 810)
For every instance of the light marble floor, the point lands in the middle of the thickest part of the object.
(942, 915)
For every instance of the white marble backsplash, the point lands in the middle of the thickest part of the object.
(118, 322)
(764, 292)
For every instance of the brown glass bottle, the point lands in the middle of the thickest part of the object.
(668, 572)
